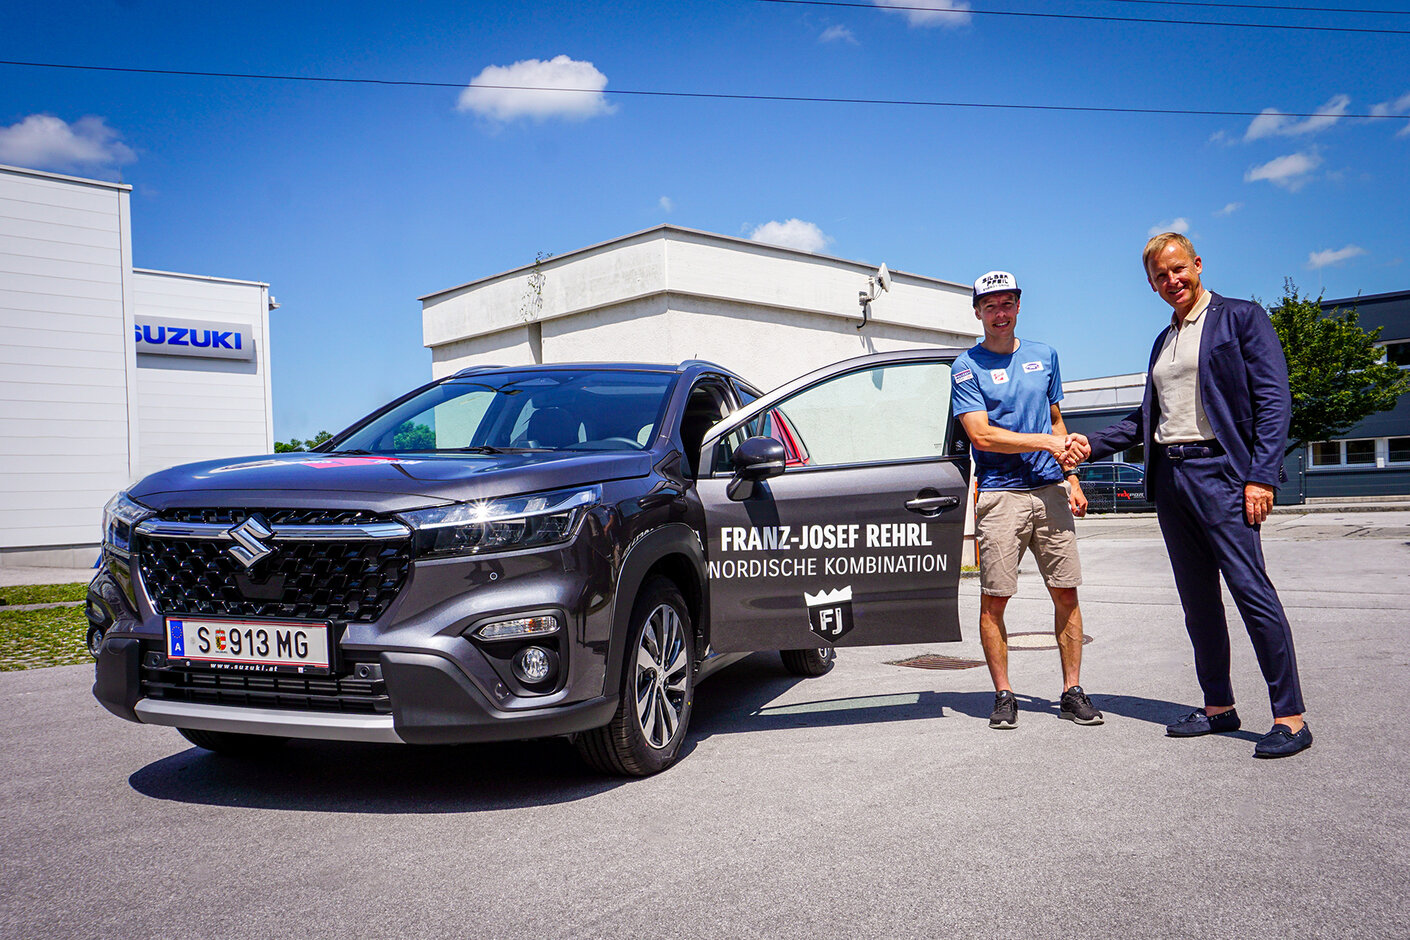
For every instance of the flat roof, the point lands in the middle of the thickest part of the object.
(1353, 301)
(199, 277)
(668, 229)
(44, 174)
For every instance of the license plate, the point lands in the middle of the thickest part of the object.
(248, 645)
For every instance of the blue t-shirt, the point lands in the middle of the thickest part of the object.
(1016, 391)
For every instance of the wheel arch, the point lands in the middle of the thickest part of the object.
(671, 551)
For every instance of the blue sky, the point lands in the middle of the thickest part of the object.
(353, 200)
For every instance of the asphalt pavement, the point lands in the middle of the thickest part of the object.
(871, 802)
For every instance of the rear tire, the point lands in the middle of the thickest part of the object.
(232, 744)
(657, 691)
(814, 662)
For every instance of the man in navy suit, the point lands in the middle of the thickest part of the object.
(1214, 422)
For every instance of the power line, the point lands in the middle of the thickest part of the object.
(715, 95)
(1262, 6)
(1093, 17)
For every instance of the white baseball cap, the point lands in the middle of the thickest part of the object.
(995, 282)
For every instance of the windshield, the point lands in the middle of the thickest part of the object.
(517, 412)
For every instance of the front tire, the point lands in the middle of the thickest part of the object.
(94, 640)
(231, 744)
(814, 662)
(657, 692)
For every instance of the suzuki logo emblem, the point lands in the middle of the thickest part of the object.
(248, 548)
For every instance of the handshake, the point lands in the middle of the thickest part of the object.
(1070, 450)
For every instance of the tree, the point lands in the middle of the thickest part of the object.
(294, 445)
(411, 436)
(1335, 369)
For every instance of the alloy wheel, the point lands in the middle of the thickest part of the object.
(662, 673)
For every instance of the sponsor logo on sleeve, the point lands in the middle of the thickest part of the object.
(964, 375)
(1032, 367)
(999, 376)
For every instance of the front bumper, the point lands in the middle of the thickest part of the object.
(432, 703)
(430, 681)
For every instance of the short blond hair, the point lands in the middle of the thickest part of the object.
(1157, 244)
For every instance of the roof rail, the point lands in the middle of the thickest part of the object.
(473, 369)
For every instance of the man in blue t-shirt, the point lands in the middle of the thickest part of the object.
(1006, 393)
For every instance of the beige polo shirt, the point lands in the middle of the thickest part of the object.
(1176, 378)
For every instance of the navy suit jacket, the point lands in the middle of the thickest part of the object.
(1243, 382)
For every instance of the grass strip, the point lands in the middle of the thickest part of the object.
(32, 639)
(42, 593)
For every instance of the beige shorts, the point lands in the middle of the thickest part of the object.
(1040, 521)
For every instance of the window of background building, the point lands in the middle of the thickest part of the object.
(1398, 352)
(1398, 450)
(1360, 453)
(1326, 454)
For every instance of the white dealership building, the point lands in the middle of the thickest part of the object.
(109, 372)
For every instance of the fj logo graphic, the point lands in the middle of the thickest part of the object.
(830, 613)
(1032, 367)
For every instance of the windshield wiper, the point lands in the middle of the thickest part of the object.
(491, 449)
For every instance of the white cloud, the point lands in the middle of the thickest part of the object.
(1387, 108)
(43, 141)
(795, 233)
(838, 33)
(1394, 108)
(576, 95)
(1321, 259)
(666, 204)
(1290, 172)
(1274, 123)
(1179, 226)
(950, 13)
(1230, 208)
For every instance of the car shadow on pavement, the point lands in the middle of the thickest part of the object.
(339, 777)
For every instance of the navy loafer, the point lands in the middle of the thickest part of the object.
(1281, 742)
(1197, 723)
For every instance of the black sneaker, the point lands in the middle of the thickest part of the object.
(1076, 707)
(1005, 716)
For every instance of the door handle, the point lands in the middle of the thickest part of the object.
(932, 504)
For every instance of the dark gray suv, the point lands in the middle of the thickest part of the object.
(516, 552)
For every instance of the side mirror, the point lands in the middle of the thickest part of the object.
(758, 458)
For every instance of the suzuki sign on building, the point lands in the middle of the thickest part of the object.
(164, 336)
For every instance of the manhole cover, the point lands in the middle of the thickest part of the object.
(936, 661)
(1038, 641)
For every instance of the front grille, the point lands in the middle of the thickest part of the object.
(354, 580)
(227, 516)
(264, 690)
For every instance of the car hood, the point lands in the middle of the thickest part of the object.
(385, 483)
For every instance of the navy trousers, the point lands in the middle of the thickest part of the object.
(1200, 504)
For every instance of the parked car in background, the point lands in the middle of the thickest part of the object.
(1114, 487)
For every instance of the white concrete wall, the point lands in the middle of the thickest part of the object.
(67, 402)
(201, 409)
(669, 294)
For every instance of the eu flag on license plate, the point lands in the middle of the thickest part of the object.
(178, 641)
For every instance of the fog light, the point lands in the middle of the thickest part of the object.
(533, 665)
(523, 626)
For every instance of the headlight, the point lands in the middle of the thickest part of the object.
(119, 517)
(500, 525)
